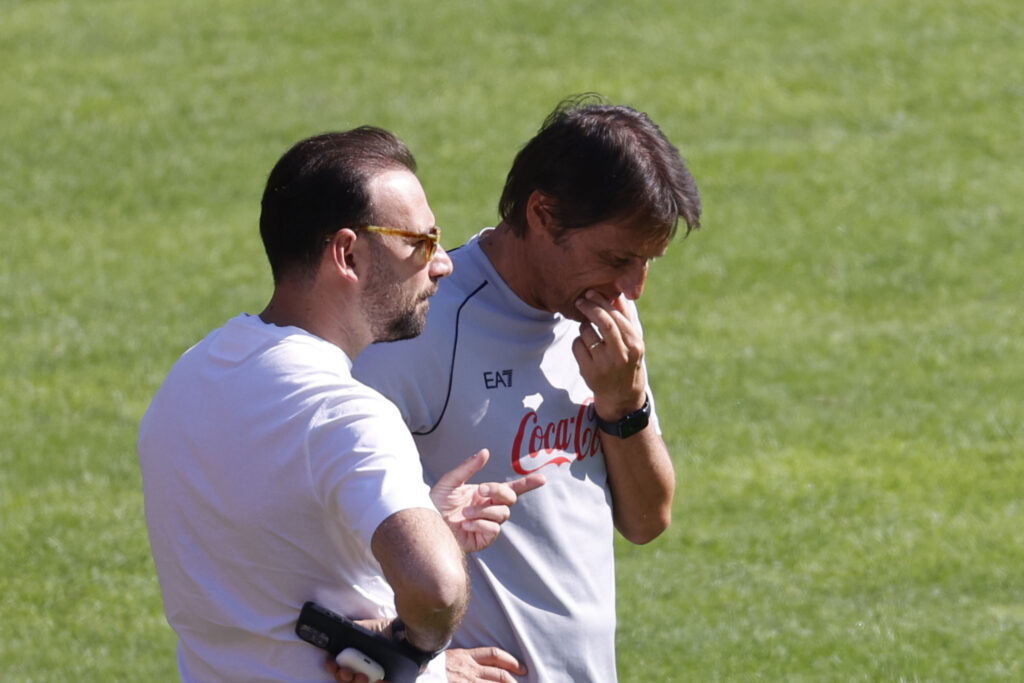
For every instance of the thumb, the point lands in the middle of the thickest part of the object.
(466, 469)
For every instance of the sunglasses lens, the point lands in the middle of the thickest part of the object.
(430, 245)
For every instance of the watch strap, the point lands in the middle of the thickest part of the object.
(630, 424)
(421, 657)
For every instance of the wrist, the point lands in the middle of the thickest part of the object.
(627, 425)
(400, 635)
(613, 408)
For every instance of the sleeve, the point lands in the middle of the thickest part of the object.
(364, 464)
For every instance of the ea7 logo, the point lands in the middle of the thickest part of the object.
(498, 378)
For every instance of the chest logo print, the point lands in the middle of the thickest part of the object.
(541, 442)
(498, 378)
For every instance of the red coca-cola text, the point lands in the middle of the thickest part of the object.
(555, 443)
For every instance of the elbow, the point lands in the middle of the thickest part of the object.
(447, 591)
(645, 530)
(422, 562)
(433, 605)
(453, 596)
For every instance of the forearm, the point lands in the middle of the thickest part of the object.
(426, 569)
(640, 472)
(642, 482)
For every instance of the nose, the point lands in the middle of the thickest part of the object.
(631, 281)
(441, 264)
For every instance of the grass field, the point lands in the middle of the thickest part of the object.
(838, 354)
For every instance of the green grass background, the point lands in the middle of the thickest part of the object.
(838, 353)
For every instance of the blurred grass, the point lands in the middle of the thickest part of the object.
(837, 354)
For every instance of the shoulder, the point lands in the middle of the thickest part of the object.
(358, 420)
(468, 275)
(340, 393)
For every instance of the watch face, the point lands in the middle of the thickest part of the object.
(633, 424)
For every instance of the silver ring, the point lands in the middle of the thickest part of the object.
(596, 344)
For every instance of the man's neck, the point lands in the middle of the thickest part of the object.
(509, 254)
(288, 308)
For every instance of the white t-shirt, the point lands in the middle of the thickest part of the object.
(491, 371)
(266, 470)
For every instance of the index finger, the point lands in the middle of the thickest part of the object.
(466, 469)
(527, 483)
(607, 316)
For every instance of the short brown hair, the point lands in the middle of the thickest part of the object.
(603, 162)
(319, 186)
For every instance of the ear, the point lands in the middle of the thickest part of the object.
(540, 213)
(340, 254)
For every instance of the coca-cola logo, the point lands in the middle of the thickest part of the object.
(538, 444)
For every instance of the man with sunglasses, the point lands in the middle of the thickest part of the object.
(272, 477)
(533, 349)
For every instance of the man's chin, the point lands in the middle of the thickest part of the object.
(411, 323)
(407, 327)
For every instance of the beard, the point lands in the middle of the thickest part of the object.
(394, 312)
(404, 325)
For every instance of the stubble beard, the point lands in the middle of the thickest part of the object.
(394, 314)
(405, 324)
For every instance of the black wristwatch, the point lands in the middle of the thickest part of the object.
(421, 657)
(629, 425)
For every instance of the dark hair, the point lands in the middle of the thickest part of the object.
(320, 186)
(602, 162)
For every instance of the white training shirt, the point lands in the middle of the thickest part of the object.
(266, 470)
(491, 371)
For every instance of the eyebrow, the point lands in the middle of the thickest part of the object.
(661, 252)
(630, 254)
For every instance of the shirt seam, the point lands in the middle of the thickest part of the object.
(451, 364)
